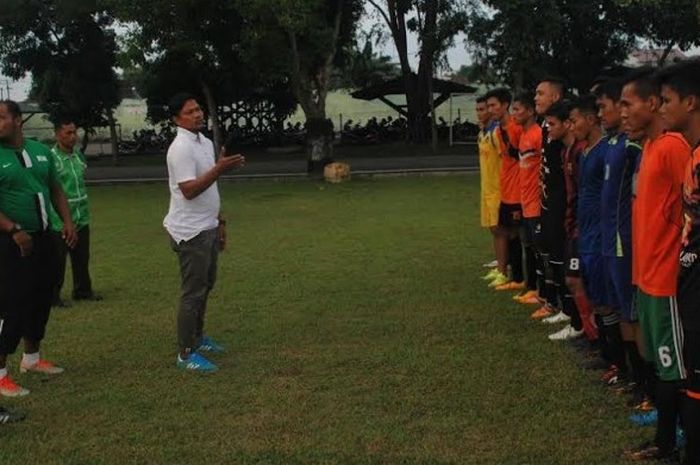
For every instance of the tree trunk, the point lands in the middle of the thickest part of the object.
(213, 111)
(319, 141)
(664, 55)
(433, 126)
(416, 85)
(418, 107)
(113, 137)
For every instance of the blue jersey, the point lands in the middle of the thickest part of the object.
(621, 159)
(590, 187)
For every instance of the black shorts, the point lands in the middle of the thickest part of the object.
(691, 356)
(572, 260)
(688, 293)
(26, 290)
(510, 215)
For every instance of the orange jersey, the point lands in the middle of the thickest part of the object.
(657, 214)
(530, 152)
(510, 168)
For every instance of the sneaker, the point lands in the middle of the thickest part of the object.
(644, 406)
(566, 333)
(491, 264)
(499, 280)
(650, 451)
(637, 397)
(560, 317)
(9, 388)
(511, 286)
(196, 362)
(491, 275)
(42, 366)
(530, 298)
(10, 416)
(611, 375)
(209, 345)
(645, 419)
(542, 312)
(628, 387)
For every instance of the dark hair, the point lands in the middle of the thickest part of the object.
(586, 104)
(683, 77)
(481, 99)
(61, 121)
(559, 110)
(177, 103)
(644, 81)
(526, 99)
(501, 94)
(557, 82)
(12, 107)
(610, 88)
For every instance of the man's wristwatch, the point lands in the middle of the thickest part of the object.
(15, 229)
(222, 222)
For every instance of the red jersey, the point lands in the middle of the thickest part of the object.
(510, 168)
(530, 154)
(571, 157)
(657, 214)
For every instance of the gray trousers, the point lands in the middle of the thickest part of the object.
(197, 258)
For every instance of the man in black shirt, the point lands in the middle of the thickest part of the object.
(552, 237)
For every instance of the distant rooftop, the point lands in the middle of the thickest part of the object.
(651, 56)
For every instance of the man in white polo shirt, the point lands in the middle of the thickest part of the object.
(194, 223)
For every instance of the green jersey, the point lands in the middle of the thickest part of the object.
(70, 172)
(26, 176)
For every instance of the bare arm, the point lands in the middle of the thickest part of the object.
(58, 199)
(192, 188)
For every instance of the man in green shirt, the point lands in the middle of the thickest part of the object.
(28, 183)
(70, 170)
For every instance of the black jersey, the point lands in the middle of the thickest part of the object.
(689, 276)
(553, 187)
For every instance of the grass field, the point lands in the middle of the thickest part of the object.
(358, 333)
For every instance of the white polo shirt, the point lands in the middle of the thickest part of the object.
(190, 156)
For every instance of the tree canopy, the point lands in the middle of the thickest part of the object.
(522, 41)
(69, 48)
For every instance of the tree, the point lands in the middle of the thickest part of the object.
(362, 67)
(666, 24)
(189, 45)
(436, 22)
(477, 72)
(70, 50)
(306, 38)
(523, 41)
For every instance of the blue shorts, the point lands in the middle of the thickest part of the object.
(594, 278)
(620, 290)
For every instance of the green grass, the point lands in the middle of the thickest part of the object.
(359, 333)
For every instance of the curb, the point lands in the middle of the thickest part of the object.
(287, 176)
